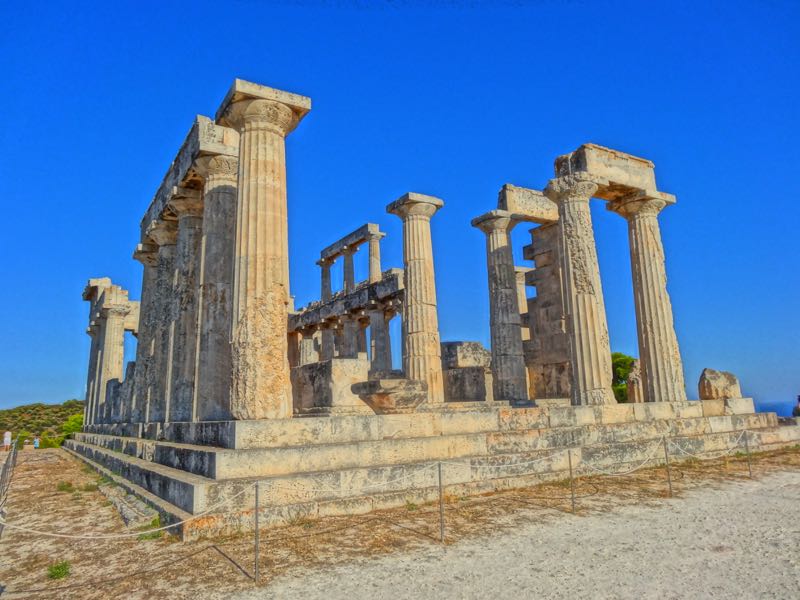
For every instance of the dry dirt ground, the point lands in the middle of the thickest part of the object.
(722, 535)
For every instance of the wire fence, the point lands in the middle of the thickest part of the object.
(5, 481)
(493, 472)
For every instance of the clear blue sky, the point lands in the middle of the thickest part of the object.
(454, 101)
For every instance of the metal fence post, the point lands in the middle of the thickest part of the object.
(747, 451)
(571, 479)
(666, 461)
(441, 506)
(255, 568)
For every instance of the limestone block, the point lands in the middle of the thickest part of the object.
(739, 406)
(324, 387)
(456, 355)
(466, 384)
(713, 408)
(716, 385)
(620, 171)
(387, 396)
(527, 205)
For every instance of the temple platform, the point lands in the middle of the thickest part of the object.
(315, 467)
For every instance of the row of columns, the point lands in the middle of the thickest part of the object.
(590, 350)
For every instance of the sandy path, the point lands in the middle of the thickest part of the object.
(736, 540)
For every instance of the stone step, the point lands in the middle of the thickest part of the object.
(476, 418)
(363, 489)
(221, 463)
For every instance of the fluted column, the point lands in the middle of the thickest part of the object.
(112, 356)
(508, 363)
(380, 345)
(188, 207)
(212, 391)
(375, 257)
(421, 346)
(660, 357)
(91, 384)
(261, 384)
(147, 254)
(590, 351)
(326, 292)
(164, 234)
(349, 283)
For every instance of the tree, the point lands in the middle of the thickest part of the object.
(72, 425)
(621, 365)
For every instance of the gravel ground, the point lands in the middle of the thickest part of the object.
(737, 540)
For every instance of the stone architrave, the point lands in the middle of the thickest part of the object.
(213, 388)
(264, 117)
(508, 362)
(662, 368)
(165, 234)
(187, 205)
(590, 350)
(147, 254)
(422, 359)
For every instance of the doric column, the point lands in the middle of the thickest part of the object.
(375, 257)
(308, 352)
(349, 283)
(421, 346)
(91, 383)
(188, 207)
(590, 351)
(350, 332)
(112, 355)
(509, 380)
(380, 345)
(660, 357)
(147, 254)
(261, 383)
(164, 234)
(326, 292)
(213, 379)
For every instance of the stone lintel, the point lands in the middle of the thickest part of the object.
(351, 240)
(247, 90)
(617, 173)
(527, 205)
(205, 138)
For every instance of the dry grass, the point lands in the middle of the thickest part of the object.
(172, 569)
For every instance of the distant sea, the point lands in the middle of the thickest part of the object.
(782, 407)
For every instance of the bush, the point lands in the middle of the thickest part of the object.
(621, 365)
(72, 425)
(58, 570)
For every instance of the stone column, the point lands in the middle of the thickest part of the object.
(375, 257)
(350, 332)
(164, 234)
(590, 351)
(660, 357)
(422, 359)
(147, 254)
(261, 383)
(112, 356)
(349, 283)
(326, 292)
(94, 354)
(380, 345)
(509, 379)
(188, 207)
(213, 388)
(308, 353)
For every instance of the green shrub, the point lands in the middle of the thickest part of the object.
(72, 425)
(152, 535)
(59, 570)
(89, 487)
(65, 486)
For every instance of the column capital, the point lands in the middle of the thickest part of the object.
(263, 107)
(186, 202)
(146, 253)
(571, 188)
(640, 204)
(220, 166)
(325, 262)
(415, 204)
(494, 220)
(115, 311)
(163, 232)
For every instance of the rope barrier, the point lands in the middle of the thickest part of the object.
(698, 457)
(126, 535)
(621, 473)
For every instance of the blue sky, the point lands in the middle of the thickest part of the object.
(452, 101)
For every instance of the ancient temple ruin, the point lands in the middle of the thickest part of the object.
(232, 383)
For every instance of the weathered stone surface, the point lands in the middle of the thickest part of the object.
(390, 396)
(635, 390)
(456, 355)
(718, 385)
(325, 387)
